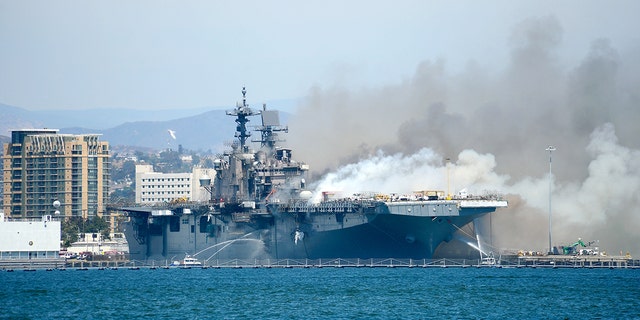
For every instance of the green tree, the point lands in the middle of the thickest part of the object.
(97, 225)
(70, 229)
(73, 226)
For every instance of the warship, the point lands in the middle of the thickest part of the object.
(260, 208)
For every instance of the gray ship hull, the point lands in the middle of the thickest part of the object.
(366, 230)
(387, 236)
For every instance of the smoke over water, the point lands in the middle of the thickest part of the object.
(494, 125)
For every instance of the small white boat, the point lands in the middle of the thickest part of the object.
(188, 261)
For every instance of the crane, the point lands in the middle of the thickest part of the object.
(571, 249)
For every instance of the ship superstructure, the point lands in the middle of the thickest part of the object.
(259, 208)
(245, 177)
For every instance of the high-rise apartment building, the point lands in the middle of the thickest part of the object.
(47, 173)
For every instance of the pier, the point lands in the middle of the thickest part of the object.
(590, 262)
(578, 261)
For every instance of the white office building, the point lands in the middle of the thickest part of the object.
(156, 187)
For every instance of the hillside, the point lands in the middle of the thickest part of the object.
(206, 131)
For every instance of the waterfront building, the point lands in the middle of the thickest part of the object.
(48, 173)
(97, 245)
(29, 239)
(157, 187)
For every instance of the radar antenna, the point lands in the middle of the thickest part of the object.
(270, 128)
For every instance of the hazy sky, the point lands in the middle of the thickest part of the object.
(189, 54)
(385, 91)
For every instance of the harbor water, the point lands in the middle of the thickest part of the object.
(322, 293)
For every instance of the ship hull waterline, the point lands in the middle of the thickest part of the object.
(283, 236)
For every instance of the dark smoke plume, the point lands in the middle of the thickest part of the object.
(495, 126)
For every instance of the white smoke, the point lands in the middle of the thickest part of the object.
(405, 174)
(609, 196)
(600, 207)
(613, 179)
(498, 124)
(579, 209)
(385, 174)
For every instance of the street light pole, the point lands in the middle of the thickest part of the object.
(550, 149)
(448, 197)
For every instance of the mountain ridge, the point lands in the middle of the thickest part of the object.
(207, 131)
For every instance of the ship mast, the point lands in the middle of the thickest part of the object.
(242, 112)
